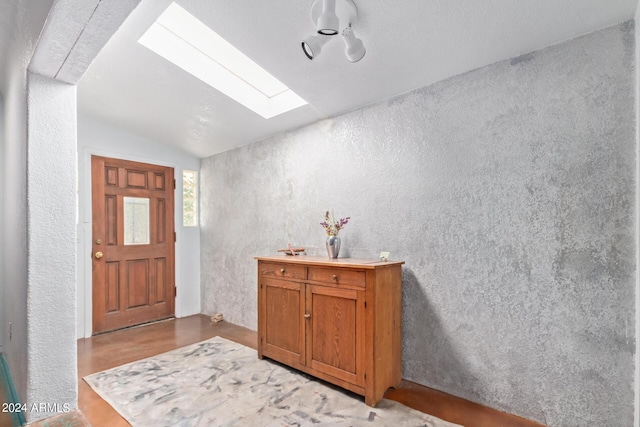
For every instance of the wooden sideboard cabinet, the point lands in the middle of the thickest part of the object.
(339, 320)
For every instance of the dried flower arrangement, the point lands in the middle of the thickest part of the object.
(331, 226)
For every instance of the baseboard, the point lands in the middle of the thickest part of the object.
(9, 392)
(452, 408)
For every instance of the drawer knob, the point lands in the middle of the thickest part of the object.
(307, 315)
(334, 277)
(282, 270)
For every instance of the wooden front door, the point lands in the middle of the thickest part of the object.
(133, 243)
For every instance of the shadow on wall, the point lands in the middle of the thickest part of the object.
(453, 359)
(430, 353)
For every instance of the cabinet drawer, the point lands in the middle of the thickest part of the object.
(283, 270)
(338, 276)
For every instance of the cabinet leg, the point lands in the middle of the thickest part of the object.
(371, 400)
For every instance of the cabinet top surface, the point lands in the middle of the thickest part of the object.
(324, 261)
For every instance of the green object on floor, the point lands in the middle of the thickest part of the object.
(17, 417)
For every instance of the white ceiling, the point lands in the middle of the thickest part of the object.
(410, 44)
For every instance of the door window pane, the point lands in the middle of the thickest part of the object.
(136, 221)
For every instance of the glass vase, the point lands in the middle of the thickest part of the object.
(333, 246)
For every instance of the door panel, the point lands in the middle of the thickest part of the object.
(161, 231)
(133, 246)
(336, 334)
(136, 179)
(161, 286)
(112, 287)
(283, 317)
(137, 283)
(111, 221)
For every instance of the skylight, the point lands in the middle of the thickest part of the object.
(181, 38)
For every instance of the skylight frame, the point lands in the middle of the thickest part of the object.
(182, 39)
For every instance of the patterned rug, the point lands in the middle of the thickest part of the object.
(220, 383)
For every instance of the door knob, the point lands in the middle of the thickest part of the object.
(99, 255)
(306, 316)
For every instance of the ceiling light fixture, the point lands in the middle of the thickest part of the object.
(329, 16)
(312, 45)
(355, 48)
(328, 22)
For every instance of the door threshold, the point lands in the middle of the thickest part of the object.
(151, 322)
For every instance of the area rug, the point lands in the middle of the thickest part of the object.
(220, 383)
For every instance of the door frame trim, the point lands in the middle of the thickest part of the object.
(85, 233)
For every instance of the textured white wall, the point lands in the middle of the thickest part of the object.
(97, 138)
(51, 269)
(27, 20)
(637, 236)
(510, 193)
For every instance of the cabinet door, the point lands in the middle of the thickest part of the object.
(282, 321)
(335, 332)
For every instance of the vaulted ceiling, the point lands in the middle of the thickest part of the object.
(410, 44)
